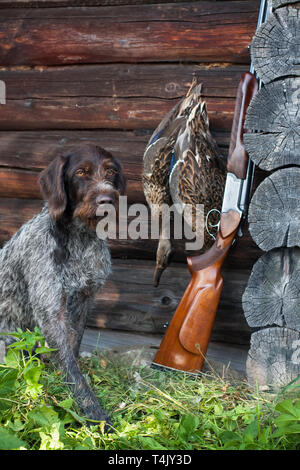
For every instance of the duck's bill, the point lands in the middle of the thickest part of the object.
(157, 275)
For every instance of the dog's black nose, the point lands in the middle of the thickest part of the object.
(104, 199)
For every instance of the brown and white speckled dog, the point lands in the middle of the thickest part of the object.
(51, 269)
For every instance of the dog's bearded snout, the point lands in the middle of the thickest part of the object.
(105, 193)
(105, 199)
(96, 182)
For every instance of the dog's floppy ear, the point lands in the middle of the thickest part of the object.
(52, 184)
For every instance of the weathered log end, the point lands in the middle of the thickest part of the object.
(273, 122)
(274, 357)
(279, 3)
(274, 48)
(274, 211)
(272, 296)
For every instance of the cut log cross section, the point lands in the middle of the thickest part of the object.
(273, 124)
(271, 300)
(274, 211)
(275, 46)
(279, 3)
(274, 357)
(272, 296)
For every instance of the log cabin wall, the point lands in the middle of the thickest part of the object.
(107, 72)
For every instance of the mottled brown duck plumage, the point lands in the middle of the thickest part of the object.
(198, 176)
(182, 165)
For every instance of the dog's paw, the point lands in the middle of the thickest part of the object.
(95, 414)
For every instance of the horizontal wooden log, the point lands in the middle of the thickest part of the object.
(107, 113)
(77, 3)
(274, 124)
(15, 212)
(274, 357)
(129, 301)
(166, 81)
(196, 31)
(112, 96)
(24, 184)
(274, 211)
(83, 3)
(275, 46)
(33, 150)
(272, 295)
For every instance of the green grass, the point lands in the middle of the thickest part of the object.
(150, 409)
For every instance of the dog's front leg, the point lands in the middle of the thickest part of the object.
(57, 331)
(77, 308)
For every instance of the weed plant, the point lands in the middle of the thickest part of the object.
(150, 409)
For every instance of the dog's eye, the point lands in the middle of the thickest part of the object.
(80, 172)
(111, 172)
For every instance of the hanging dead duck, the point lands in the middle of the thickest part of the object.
(181, 130)
(157, 162)
(198, 174)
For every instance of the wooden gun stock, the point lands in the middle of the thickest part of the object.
(185, 343)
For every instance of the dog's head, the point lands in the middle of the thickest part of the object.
(76, 183)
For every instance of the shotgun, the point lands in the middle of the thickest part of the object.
(186, 340)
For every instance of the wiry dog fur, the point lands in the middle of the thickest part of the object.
(51, 269)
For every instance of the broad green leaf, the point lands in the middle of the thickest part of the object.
(44, 350)
(12, 358)
(148, 443)
(288, 407)
(16, 426)
(285, 419)
(229, 437)
(188, 424)
(66, 405)
(9, 441)
(8, 378)
(289, 429)
(51, 439)
(43, 416)
(251, 431)
(32, 374)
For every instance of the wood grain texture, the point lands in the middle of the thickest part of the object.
(146, 33)
(272, 295)
(129, 301)
(274, 210)
(166, 81)
(104, 113)
(274, 357)
(78, 3)
(112, 96)
(15, 212)
(274, 123)
(34, 150)
(275, 46)
(24, 184)
(21, 181)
